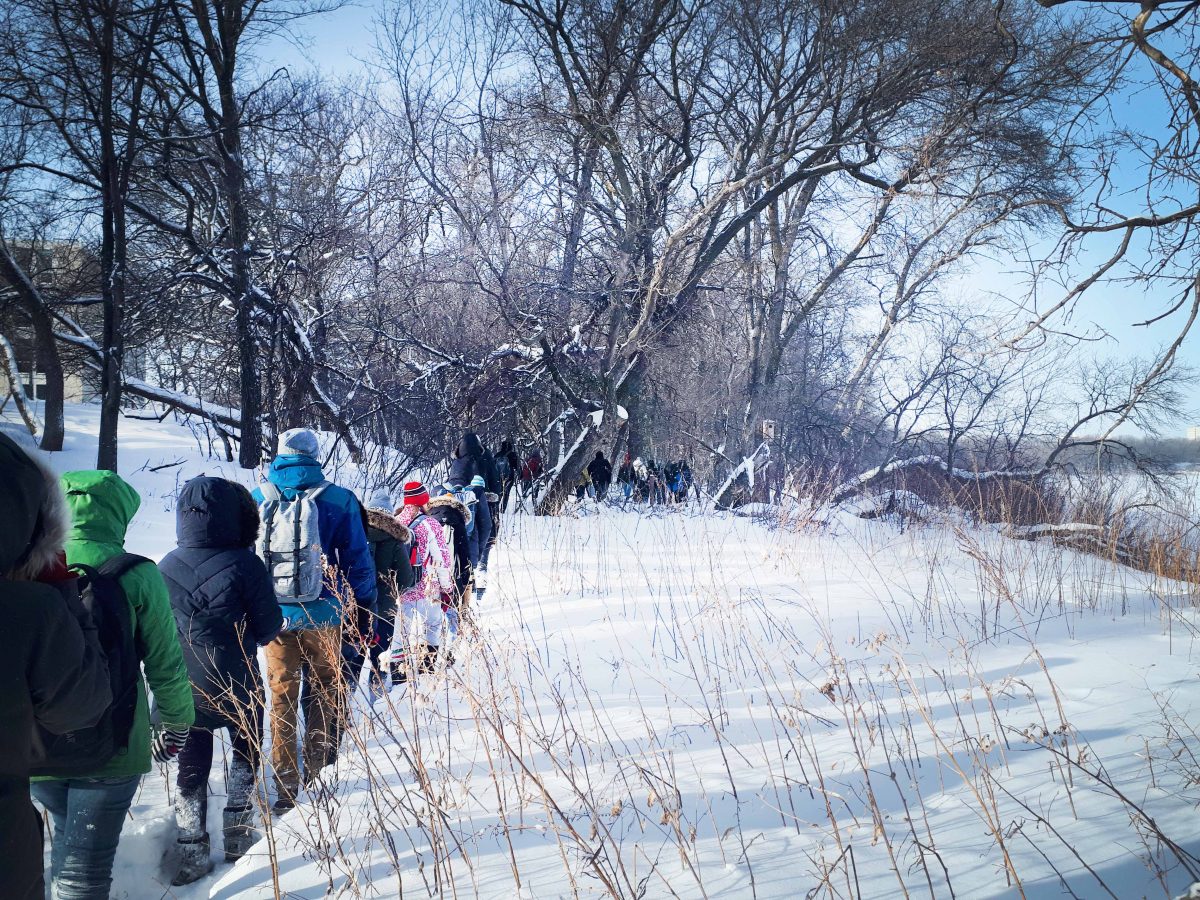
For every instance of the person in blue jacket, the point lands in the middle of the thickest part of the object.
(310, 646)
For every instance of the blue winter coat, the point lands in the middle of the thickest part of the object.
(343, 541)
(222, 598)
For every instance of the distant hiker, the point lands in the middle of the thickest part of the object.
(89, 810)
(679, 480)
(625, 476)
(485, 526)
(601, 471)
(493, 486)
(467, 460)
(309, 524)
(391, 548)
(583, 487)
(510, 471)
(531, 471)
(52, 671)
(225, 609)
(421, 623)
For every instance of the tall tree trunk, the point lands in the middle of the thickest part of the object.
(112, 252)
(48, 358)
(54, 393)
(230, 26)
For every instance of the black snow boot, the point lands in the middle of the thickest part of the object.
(240, 834)
(429, 659)
(195, 860)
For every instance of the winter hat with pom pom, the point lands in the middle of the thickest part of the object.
(415, 494)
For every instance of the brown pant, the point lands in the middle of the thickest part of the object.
(315, 653)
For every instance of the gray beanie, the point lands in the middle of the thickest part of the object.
(299, 440)
(380, 499)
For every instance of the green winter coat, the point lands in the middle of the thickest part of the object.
(102, 506)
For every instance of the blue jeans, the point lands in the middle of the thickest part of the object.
(88, 815)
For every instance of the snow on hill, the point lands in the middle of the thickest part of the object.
(674, 704)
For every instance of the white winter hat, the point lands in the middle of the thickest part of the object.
(380, 499)
(299, 440)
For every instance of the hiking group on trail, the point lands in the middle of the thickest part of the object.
(324, 584)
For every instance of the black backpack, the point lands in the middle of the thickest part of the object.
(87, 750)
(407, 574)
(416, 566)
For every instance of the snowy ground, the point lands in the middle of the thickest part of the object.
(702, 706)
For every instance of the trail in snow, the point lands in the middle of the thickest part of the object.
(688, 705)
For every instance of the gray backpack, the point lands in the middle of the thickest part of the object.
(290, 543)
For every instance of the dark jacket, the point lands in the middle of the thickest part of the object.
(50, 671)
(390, 543)
(601, 471)
(491, 474)
(343, 541)
(449, 511)
(222, 598)
(467, 460)
(483, 519)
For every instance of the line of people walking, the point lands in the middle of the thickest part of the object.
(326, 585)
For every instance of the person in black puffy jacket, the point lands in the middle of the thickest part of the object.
(225, 609)
(467, 460)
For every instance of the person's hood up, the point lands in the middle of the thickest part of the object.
(454, 503)
(215, 513)
(102, 505)
(384, 521)
(470, 445)
(295, 472)
(34, 525)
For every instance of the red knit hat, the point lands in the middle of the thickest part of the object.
(415, 494)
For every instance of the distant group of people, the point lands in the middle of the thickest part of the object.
(326, 585)
(653, 482)
(640, 480)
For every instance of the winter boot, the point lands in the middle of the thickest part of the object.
(195, 860)
(240, 834)
(429, 659)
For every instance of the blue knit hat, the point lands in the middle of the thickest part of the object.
(478, 481)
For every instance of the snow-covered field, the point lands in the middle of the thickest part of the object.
(675, 704)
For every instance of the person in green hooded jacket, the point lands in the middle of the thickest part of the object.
(88, 813)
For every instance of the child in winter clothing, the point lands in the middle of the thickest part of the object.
(391, 545)
(225, 609)
(422, 617)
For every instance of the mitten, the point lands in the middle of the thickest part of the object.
(168, 741)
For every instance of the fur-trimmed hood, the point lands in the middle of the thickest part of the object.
(386, 522)
(453, 503)
(36, 520)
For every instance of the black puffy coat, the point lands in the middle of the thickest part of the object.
(222, 597)
(490, 472)
(467, 461)
(601, 471)
(52, 671)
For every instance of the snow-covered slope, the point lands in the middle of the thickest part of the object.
(684, 705)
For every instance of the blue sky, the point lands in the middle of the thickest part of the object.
(338, 41)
